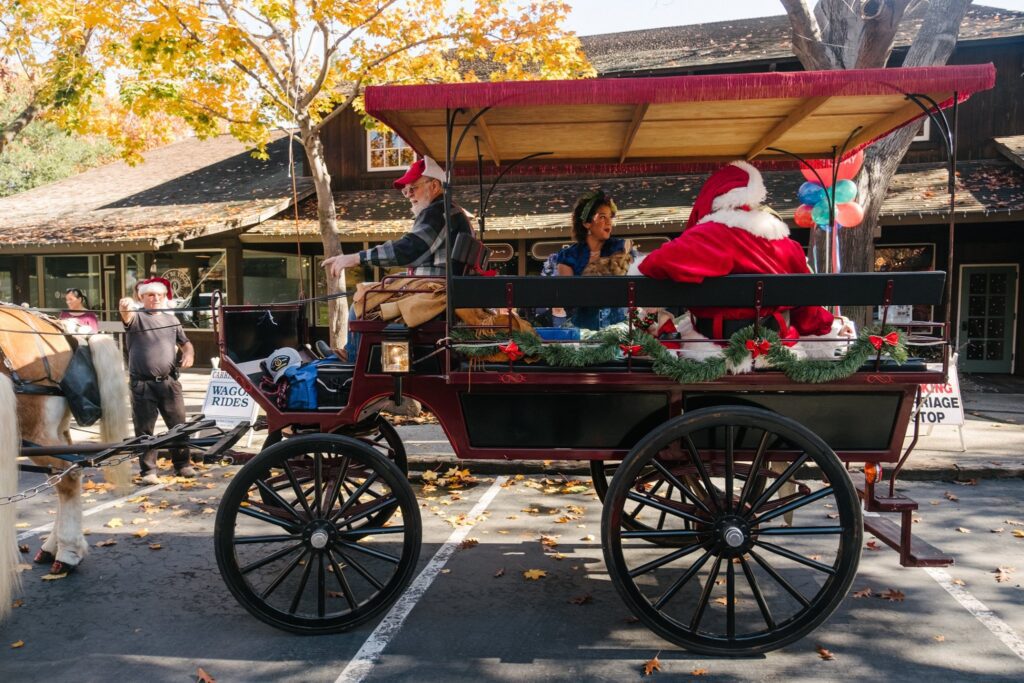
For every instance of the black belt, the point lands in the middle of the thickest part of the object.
(159, 378)
(730, 327)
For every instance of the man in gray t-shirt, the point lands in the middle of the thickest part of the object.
(153, 338)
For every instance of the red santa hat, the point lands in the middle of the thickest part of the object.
(733, 196)
(423, 168)
(157, 285)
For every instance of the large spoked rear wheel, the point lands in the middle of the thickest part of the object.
(295, 538)
(761, 555)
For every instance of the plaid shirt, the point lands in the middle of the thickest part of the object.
(422, 248)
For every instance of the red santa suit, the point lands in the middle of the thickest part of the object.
(729, 233)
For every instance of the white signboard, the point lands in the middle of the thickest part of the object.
(227, 403)
(941, 404)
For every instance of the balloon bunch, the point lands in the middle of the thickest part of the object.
(815, 197)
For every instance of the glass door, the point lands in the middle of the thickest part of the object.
(988, 302)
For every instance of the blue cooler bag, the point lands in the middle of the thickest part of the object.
(301, 387)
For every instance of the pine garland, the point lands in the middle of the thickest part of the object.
(610, 345)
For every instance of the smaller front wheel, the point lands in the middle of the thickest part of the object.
(296, 541)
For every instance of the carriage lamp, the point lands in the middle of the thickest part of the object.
(394, 349)
(872, 472)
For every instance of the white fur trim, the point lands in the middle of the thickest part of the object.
(634, 268)
(830, 344)
(760, 223)
(155, 287)
(753, 194)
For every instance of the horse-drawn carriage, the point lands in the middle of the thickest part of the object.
(733, 503)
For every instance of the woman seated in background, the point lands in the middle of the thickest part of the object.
(595, 252)
(76, 319)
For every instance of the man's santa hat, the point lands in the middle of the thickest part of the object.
(423, 168)
(733, 196)
(156, 285)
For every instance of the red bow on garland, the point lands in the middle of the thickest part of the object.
(630, 349)
(490, 272)
(511, 350)
(758, 347)
(891, 339)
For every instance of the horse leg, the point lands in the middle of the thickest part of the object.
(71, 544)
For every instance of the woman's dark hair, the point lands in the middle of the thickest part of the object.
(586, 207)
(78, 293)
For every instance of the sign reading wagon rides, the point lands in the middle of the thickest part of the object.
(226, 402)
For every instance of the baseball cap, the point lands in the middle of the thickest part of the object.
(425, 167)
(279, 361)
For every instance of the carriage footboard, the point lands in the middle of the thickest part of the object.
(913, 551)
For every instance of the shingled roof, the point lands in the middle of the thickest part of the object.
(189, 189)
(760, 39)
(657, 205)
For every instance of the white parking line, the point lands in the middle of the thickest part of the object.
(982, 613)
(363, 661)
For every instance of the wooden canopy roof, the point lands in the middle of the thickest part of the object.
(677, 119)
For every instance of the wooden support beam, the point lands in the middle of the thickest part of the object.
(887, 123)
(485, 133)
(638, 116)
(802, 112)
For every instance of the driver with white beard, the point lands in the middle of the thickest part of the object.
(422, 249)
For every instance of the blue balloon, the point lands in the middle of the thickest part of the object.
(810, 193)
(846, 191)
(820, 213)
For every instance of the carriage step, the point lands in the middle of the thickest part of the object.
(920, 554)
(881, 503)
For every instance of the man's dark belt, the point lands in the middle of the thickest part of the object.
(158, 378)
(706, 326)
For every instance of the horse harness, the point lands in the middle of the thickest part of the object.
(35, 386)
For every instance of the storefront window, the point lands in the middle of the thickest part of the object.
(273, 278)
(194, 277)
(61, 273)
(905, 258)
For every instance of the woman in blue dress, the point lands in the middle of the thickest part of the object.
(593, 218)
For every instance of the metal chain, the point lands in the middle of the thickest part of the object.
(50, 482)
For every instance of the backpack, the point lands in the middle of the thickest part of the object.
(301, 387)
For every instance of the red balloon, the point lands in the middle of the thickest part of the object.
(802, 216)
(851, 167)
(849, 214)
(824, 169)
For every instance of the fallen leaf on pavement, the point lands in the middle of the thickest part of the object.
(500, 573)
(141, 533)
(892, 595)
(18, 643)
(968, 482)
(114, 523)
(998, 530)
(588, 537)
(863, 593)
(22, 567)
(950, 496)
(1014, 522)
(534, 574)
(939, 638)
(1018, 533)
(155, 546)
(17, 603)
(963, 530)
(582, 599)
(468, 543)
(23, 548)
(699, 672)
(105, 543)
(872, 545)
(651, 665)
(203, 677)
(1003, 573)
(825, 654)
(21, 525)
(54, 577)
(959, 582)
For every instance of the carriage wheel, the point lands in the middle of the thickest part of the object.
(310, 561)
(383, 436)
(761, 558)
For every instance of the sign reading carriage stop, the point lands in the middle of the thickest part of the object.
(227, 403)
(941, 404)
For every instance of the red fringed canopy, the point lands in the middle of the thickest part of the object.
(672, 119)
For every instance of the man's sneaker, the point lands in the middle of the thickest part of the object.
(187, 471)
(150, 478)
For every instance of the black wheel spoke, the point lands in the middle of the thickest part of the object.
(355, 495)
(346, 589)
(283, 574)
(318, 483)
(272, 557)
(273, 494)
(683, 489)
(755, 588)
(297, 598)
(702, 471)
(682, 580)
(801, 531)
(796, 557)
(780, 580)
(296, 487)
(662, 561)
(658, 505)
(705, 595)
(264, 517)
(777, 484)
(793, 505)
(244, 540)
(647, 534)
(332, 497)
(321, 586)
(372, 552)
(755, 468)
(362, 571)
(363, 532)
(730, 600)
(730, 454)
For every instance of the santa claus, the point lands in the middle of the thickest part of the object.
(729, 231)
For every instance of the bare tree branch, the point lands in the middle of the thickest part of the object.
(880, 19)
(807, 43)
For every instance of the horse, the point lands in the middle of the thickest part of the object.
(35, 354)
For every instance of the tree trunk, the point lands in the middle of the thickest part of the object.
(326, 214)
(14, 128)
